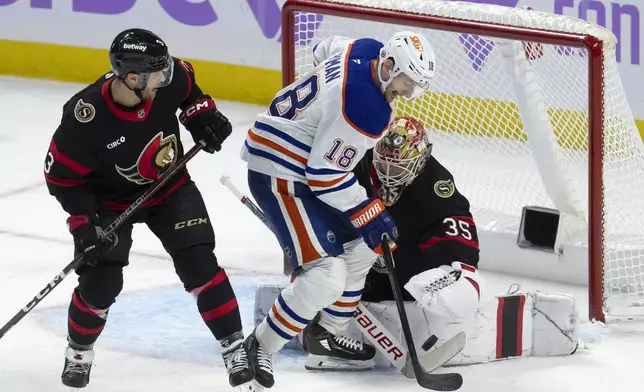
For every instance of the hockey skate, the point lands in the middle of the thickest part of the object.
(78, 364)
(260, 361)
(338, 353)
(236, 362)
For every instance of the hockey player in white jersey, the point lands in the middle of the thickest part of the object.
(300, 153)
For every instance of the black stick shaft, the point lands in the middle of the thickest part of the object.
(118, 222)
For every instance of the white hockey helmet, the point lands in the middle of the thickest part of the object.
(413, 55)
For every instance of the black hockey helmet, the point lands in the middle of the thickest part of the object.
(144, 53)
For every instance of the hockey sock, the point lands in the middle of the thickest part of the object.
(282, 323)
(83, 324)
(218, 306)
(335, 318)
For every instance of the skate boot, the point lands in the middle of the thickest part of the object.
(78, 364)
(236, 362)
(338, 353)
(260, 361)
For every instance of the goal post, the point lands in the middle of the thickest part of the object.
(546, 125)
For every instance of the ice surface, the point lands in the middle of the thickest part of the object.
(154, 339)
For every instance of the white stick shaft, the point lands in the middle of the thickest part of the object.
(226, 181)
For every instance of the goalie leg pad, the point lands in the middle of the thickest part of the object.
(512, 326)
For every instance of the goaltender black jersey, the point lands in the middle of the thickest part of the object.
(433, 218)
(104, 155)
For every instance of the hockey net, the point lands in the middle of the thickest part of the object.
(527, 109)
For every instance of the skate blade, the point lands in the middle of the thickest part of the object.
(331, 364)
(252, 386)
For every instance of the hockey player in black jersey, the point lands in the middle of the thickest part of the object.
(115, 137)
(438, 249)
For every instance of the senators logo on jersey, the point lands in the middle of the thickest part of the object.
(159, 153)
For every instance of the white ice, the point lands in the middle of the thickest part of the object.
(154, 339)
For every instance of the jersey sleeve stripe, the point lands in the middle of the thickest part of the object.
(186, 69)
(340, 187)
(288, 138)
(435, 240)
(67, 161)
(272, 145)
(326, 184)
(276, 159)
(322, 172)
(64, 182)
(344, 98)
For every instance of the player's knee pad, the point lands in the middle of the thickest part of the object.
(359, 259)
(321, 283)
(99, 286)
(195, 265)
(448, 291)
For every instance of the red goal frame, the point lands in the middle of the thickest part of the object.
(592, 44)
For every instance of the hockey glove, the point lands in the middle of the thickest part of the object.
(371, 220)
(205, 122)
(87, 239)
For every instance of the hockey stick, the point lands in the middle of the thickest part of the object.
(397, 354)
(115, 225)
(437, 382)
(370, 326)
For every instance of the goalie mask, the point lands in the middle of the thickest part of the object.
(400, 156)
(412, 55)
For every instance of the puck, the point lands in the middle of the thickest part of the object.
(429, 343)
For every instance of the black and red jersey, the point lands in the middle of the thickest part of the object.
(433, 219)
(106, 155)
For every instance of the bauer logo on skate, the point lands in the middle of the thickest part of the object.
(365, 215)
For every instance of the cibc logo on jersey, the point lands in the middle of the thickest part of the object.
(116, 143)
(157, 154)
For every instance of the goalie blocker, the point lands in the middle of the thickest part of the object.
(505, 327)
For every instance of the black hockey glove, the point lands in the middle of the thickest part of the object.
(206, 123)
(87, 238)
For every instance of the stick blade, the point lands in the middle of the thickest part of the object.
(440, 382)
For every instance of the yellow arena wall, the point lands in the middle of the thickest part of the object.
(85, 65)
(258, 86)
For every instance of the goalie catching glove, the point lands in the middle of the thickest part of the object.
(371, 220)
(205, 122)
(454, 291)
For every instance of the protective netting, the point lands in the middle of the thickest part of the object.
(480, 130)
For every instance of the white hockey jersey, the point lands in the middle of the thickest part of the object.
(317, 129)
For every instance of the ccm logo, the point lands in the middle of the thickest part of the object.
(116, 143)
(197, 107)
(191, 222)
(367, 324)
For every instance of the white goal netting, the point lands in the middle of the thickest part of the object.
(510, 120)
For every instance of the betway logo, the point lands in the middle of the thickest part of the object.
(142, 48)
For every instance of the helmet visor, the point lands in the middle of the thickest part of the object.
(163, 77)
(418, 87)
